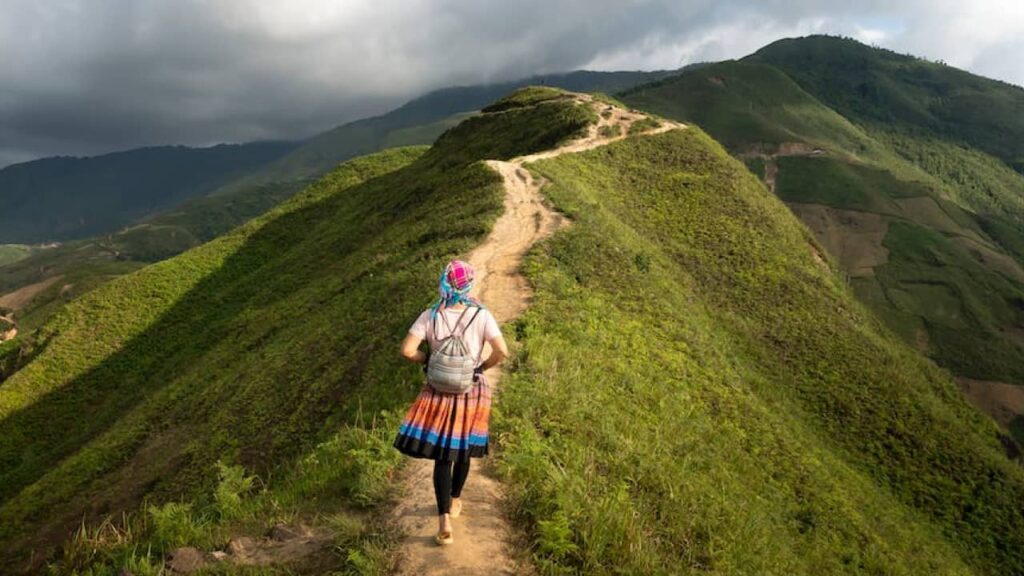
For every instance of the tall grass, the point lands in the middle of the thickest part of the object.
(693, 393)
(254, 350)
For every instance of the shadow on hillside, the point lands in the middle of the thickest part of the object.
(1015, 442)
(266, 269)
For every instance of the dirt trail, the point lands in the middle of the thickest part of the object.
(482, 533)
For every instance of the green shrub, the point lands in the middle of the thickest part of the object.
(526, 97)
(232, 486)
(174, 524)
(643, 125)
(609, 100)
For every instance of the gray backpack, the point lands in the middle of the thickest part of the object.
(450, 370)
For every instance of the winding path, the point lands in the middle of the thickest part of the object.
(482, 533)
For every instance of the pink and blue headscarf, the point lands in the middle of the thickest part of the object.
(454, 286)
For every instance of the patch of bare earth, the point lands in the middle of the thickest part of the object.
(483, 534)
(8, 327)
(1001, 401)
(769, 153)
(284, 545)
(852, 237)
(22, 296)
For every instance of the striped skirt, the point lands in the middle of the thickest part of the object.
(447, 427)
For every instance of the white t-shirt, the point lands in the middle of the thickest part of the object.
(483, 328)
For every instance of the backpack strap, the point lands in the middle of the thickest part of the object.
(475, 314)
(451, 332)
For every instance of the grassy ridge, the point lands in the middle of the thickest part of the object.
(693, 392)
(949, 284)
(880, 86)
(252, 347)
(13, 252)
(965, 130)
(745, 104)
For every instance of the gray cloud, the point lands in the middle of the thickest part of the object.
(84, 77)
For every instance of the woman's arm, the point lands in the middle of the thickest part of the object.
(411, 349)
(499, 351)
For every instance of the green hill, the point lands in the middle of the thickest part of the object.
(693, 389)
(695, 392)
(748, 104)
(10, 253)
(66, 198)
(880, 86)
(926, 229)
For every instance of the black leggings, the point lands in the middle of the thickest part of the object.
(448, 484)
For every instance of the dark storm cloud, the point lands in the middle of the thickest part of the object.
(91, 76)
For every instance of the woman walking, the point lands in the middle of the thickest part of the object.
(448, 422)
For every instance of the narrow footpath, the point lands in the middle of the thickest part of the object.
(482, 532)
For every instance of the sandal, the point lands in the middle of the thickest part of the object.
(444, 538)
(456, 508)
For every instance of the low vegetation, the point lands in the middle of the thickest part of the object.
(693, 391)
(253, 350)
(529, 96)
(953, 278)
(13, 252)
(644, 125)
(877, 86)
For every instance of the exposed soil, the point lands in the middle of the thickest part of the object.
(22, 296)
(852, 237)
(483, 535)
(769, 153)
(284, 544)
(1003, 402)
(8, 327)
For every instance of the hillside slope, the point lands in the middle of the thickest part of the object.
(936, 267)
(67, 198)
(693, 389)
(880, 86)
(252, 347)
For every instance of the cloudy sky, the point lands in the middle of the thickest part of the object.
(91, 76)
